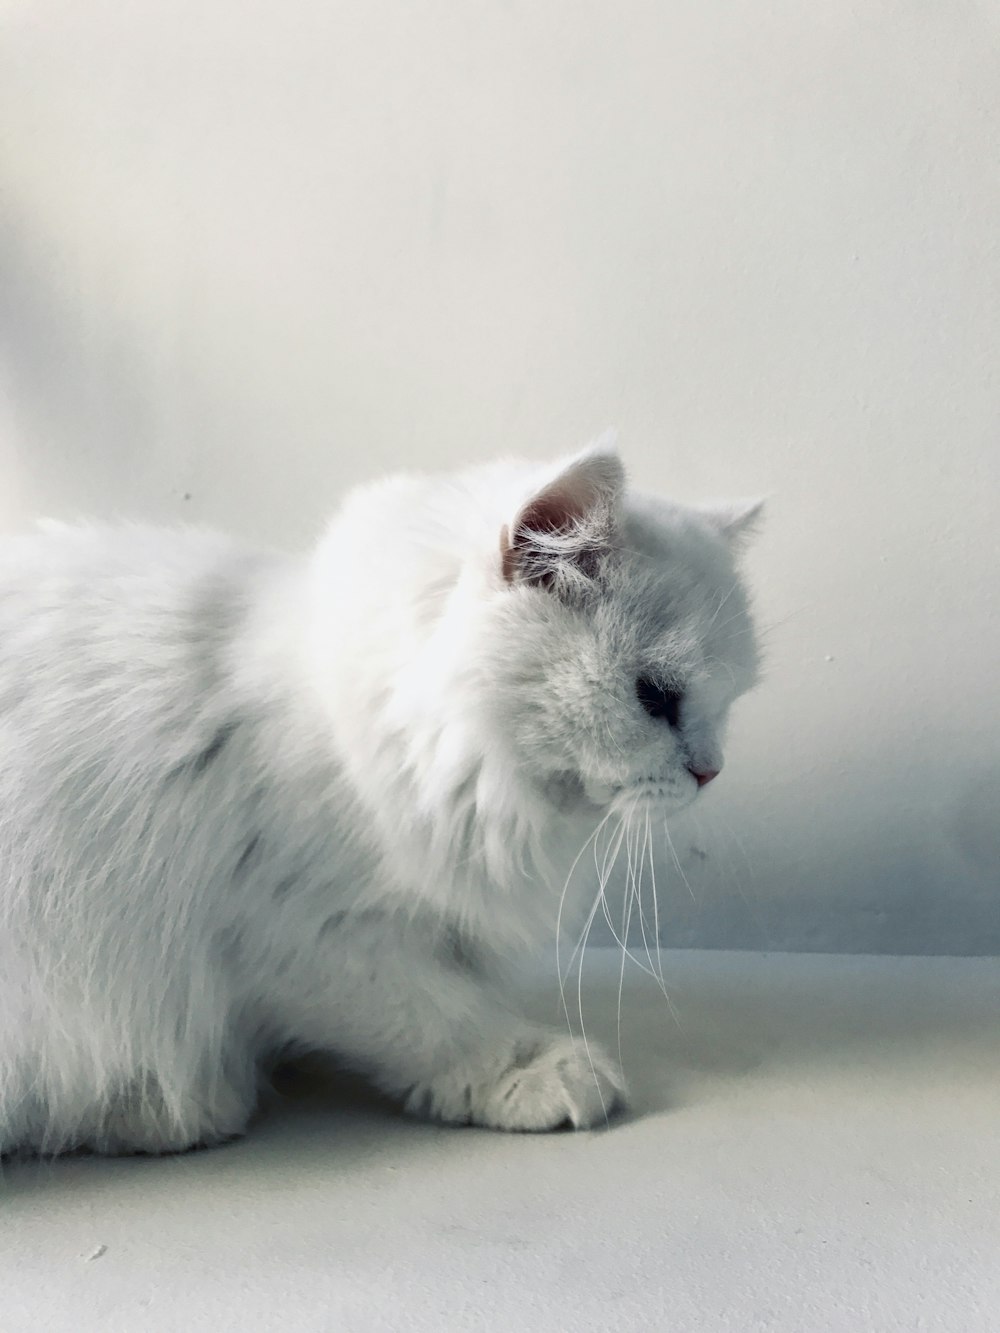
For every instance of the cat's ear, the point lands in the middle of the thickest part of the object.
(562, 530)
(736, 520)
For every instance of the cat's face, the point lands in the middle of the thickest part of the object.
(627, 638)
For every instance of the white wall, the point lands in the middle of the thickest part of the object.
(252, 252)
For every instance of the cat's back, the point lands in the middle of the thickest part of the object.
(76, 596)
(111, 636)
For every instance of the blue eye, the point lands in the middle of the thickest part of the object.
(665, 705)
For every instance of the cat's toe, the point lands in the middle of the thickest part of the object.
(561, 1083)
(541, 1083)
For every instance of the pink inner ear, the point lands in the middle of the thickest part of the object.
(558, 509)
(508, 557)
(579, 502)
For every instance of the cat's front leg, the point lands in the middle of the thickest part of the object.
(442, 1037)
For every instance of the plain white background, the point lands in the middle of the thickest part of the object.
(253, 252)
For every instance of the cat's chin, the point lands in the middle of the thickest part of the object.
(636, 805)
(573, 796)
(656, 798)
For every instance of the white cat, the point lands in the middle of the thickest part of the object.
(252, 804)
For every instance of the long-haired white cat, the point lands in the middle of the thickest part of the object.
(252, 805)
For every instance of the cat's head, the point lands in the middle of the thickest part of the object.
(622, 637)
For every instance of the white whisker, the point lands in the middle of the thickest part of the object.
(614, 845)
(559, 914)
(722, 603)
(680, 868)
(626, 926)
(610, 857)
(621, 938)
(656, 909)
(583, 1029)
(658, 972)
(753, 904)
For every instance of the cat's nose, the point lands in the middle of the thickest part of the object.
(703, 776)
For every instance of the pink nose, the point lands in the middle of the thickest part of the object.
(703, 776)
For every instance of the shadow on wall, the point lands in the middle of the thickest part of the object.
(884, 890)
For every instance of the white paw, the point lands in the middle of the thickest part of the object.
(544, 1081)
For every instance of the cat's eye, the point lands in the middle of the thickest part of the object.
(658, 702)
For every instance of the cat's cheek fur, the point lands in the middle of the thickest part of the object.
(252, 805)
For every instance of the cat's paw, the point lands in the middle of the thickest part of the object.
(544, 1083)
(559, 1082)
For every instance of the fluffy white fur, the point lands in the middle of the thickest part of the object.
(252, 804)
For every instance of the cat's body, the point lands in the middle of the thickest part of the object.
(252, 804)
